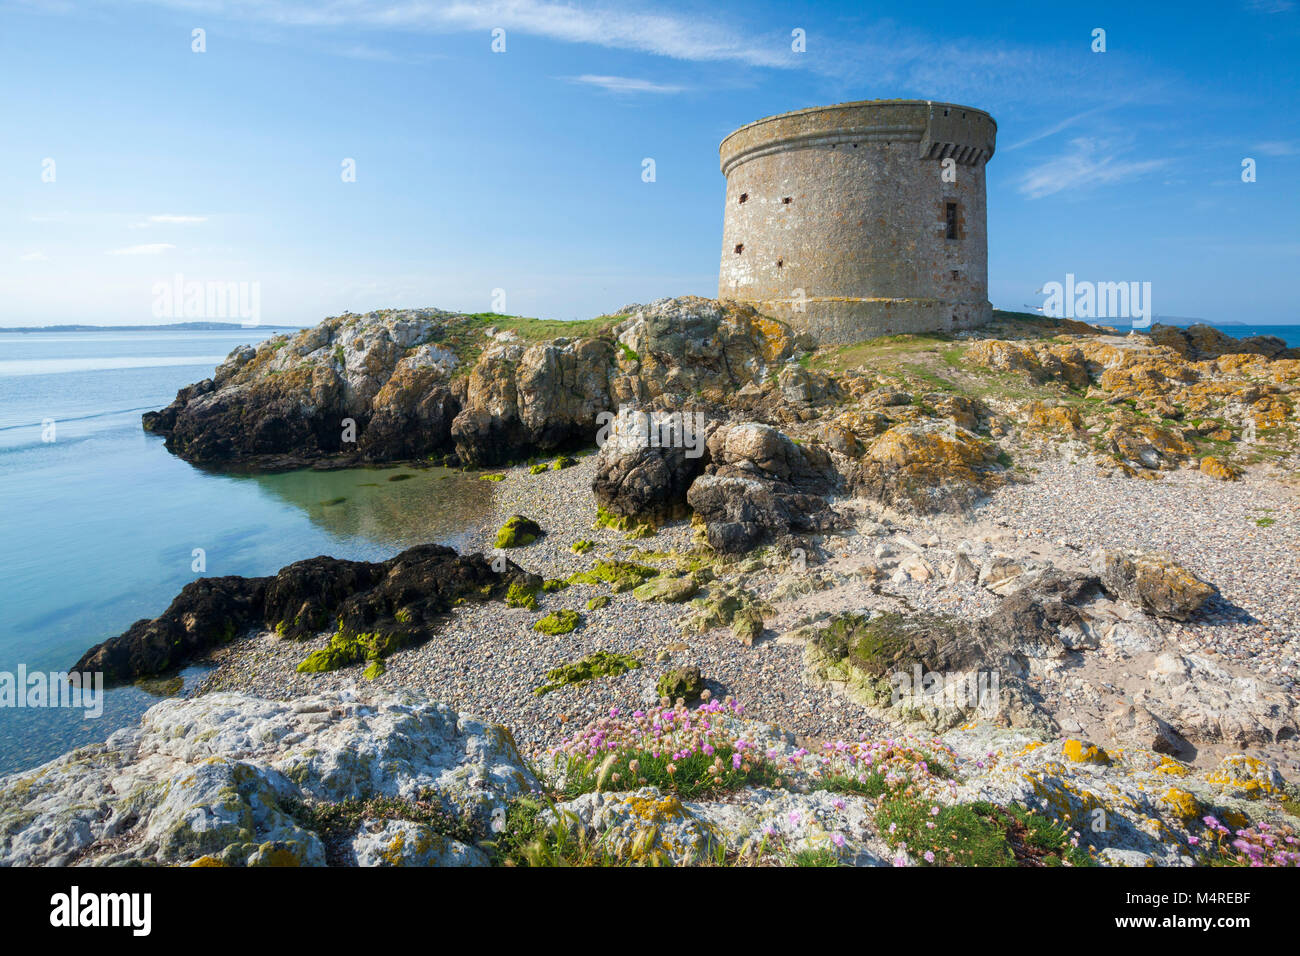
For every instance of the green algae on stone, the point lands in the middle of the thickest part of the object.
(564, 461)
(522, 594)
(681, 682)
(558, 622)
(581, 547)
(539, 468)
(597, 664)
(634, 528)
(344, 649)
(728, 605)
(619, 575)
(517, 532)
(668, 590)
(599, 601)
(496, 476)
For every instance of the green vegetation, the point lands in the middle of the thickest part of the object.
(816, 856)
(337, 823)
(599, 601)
(345, 649)
(683, 683)
(522, 594)
(517, 532)
(496, 476)
(581, 547)
(692, 775)
(558, 622)
(465, 336)
(634, 528)
(619, 575)
(596, 664)
(975, 834)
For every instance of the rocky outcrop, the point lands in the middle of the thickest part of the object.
(927, 466)
(940, 670)
(761, 486)
(401, 385)
(1152, 582)
(377, 608)
(647, 464)
(231, 780)
(376, 779)
(536, 399)
(1198, 342)
(295, 400)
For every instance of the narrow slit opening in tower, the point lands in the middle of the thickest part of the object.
(950, 217)
(740, 247)
(744, 197)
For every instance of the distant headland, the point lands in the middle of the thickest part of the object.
(169, 327)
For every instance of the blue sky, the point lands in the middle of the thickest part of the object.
(521, 171)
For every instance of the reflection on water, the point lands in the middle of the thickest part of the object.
(101, 523)
(422, 505)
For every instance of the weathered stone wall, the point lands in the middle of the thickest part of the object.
(836, 218)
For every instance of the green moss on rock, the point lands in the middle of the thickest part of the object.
(558, 622)
(597, 664)
(517, 532)
(683, 682)
(619, 575)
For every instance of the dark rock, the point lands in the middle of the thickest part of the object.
(761, 486)
(400, 599)
(639, 480)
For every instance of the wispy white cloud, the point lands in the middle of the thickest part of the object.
(168, 219)
(1086, 162)
(663, 34)
(1277, 148)
(625, 84)
(148, 249)
(1270, 6)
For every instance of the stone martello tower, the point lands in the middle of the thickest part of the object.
(840, 220)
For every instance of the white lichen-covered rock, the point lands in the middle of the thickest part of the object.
(218, 778)
(405, 843)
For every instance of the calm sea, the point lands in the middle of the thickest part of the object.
(100, 523)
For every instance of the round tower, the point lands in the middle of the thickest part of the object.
(847, 222)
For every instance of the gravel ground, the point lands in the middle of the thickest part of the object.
(1210, 527)
(487, 660)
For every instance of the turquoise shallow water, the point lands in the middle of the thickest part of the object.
(100, 524)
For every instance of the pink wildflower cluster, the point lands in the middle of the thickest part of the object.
(676, 730)
(1260, 844)
(896, 760)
